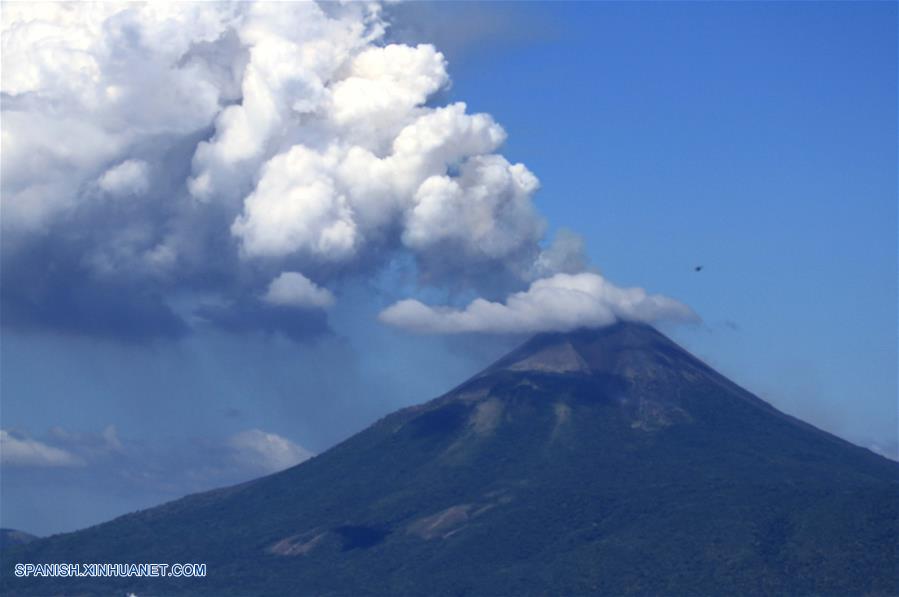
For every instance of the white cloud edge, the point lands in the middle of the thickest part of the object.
(293, 289)
(21, 451)
(130, 177)
(562, 302)
(251, 450)
(266, 451)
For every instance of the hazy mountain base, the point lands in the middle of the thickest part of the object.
(12, 537)
(624, 466)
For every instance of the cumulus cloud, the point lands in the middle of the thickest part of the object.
(281, 137)
(136, 471)
(293, 289)
(128, 178)
(20, 451)
(249, 451)
(265, 451)
(562, 302)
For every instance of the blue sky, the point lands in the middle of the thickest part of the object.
(755, 139)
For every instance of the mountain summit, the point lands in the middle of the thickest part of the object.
(598, 461)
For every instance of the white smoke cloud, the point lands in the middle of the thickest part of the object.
(293, 52)
(292, 289)
(296, 208)
(17, 450)
(567, 255)
(485, 211)
(311, 140)
(562, 302)
(84, 82)
(265, 451)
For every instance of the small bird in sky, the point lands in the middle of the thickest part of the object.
(698, 268)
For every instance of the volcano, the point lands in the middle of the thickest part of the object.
(606, 461)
